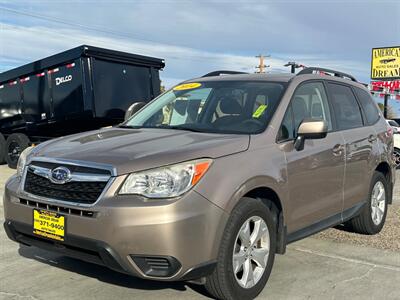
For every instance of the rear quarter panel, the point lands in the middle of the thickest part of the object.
(387, 143)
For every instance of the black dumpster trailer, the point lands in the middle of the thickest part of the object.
(77, 90)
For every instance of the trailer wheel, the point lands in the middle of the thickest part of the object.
(2, 149)
(16, 143)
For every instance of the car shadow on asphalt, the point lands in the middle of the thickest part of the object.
(104, 274)
(345, 228)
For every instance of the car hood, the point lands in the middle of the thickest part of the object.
(129, 150)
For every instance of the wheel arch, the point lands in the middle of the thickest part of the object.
(266, 194)
(270, 197)
(262, 187)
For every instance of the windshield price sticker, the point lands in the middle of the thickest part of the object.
(260, 110)
(187, 86)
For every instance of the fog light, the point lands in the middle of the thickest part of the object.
(157, 266)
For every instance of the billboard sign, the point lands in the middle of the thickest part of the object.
(385, 63)
(390, 86)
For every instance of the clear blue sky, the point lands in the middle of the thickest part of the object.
(195, 37)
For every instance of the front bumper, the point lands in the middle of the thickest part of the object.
(119, 230)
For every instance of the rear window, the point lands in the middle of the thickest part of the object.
(368, 105)
(345, 106)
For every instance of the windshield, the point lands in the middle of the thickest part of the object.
(239, 107)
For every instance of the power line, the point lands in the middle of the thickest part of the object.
(70, 23)
(109, 32)
(189, 57)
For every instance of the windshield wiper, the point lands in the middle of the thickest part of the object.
(129, 126)
(180, 127)
(177, 127)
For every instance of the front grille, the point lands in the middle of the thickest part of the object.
(75, 192)
(72, 168)
(59, 209)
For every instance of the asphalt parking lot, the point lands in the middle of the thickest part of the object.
(332, 265)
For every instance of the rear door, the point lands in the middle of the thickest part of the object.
(360, 140)
(315, 174)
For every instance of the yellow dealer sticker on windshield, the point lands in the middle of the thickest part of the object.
(260, 110)
(187, 86)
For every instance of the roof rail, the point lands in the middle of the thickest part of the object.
(222, 72)
(317, 70)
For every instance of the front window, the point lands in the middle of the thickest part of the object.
(309, 101)
(240, 107)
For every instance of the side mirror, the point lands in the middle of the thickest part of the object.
(134, 108)
(310, 129)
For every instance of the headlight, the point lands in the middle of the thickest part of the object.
(166, 182)
(22, 161)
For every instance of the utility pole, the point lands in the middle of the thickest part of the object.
(293, 66)
(385, 105)
(261, 66)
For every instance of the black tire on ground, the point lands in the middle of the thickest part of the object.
(16, 143)
(222, 283)
(3, 150)
(396, 157)
(363, 223)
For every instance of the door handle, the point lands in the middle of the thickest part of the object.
(337, 150)
(372, 138)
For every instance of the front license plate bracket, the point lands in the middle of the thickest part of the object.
(49, 224)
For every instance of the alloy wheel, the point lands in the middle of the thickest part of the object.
(378, 203)
(251, 252)
(14, 151)
(396, 158)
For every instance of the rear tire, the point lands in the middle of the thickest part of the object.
(2, 149)
(227, 283)
(372, 217)
(16, 143)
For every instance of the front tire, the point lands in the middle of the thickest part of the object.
(246, 254)
(372, 217)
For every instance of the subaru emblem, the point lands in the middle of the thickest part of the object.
(60, 175)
